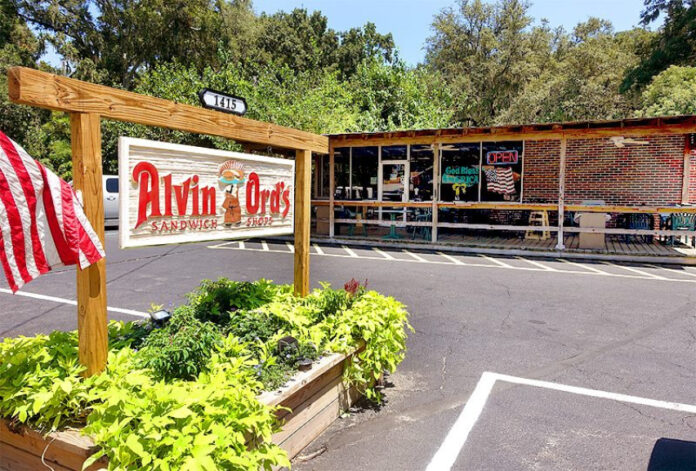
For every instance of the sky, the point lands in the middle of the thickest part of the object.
(409, 20)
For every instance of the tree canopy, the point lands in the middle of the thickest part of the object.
(674, 43)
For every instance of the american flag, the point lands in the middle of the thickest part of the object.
(43, 224)
(500, 180)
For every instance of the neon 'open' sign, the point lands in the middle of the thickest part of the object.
(502, 157)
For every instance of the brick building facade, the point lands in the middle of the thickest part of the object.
(596, 169)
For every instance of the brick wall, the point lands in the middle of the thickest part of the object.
(541, 160)
(598, 170)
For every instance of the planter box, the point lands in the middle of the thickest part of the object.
(316, 397)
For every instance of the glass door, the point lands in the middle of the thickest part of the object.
(393, 182)
(393, 187)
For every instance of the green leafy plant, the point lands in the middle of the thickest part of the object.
(214, 301)
(180, 349)
(213, 423)
(184, 396)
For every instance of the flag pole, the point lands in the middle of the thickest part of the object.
(91, 282)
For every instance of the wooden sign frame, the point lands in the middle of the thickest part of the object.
(87, 104)
(185, 159)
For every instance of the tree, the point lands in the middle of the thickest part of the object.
(675, 43)
(391, 97)
(582, 77)
(304, 42)
(360, 45)
(486, 53)
(671, 93)
(20, 46)
(111, 41)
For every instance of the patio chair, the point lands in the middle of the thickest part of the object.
(682, 222)
(422, 231)
(639, 222)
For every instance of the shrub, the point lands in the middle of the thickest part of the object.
(214, 300)
(180, 349)
(252, 326)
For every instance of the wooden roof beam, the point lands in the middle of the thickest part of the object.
(54, 92)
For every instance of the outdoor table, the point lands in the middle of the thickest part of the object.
(392, 228)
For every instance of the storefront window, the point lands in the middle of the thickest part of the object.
(320, 176)
(501, 171)
(394, 153)
(459, 170)
(342, 173)
(421, 169)
(364, 173)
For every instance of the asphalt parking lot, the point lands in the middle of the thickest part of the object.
(572, 365)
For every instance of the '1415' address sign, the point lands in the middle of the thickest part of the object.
(170, 193)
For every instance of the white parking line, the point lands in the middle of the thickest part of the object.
(456, 261)
(350, 251)
(496, 261)
(683, 271)
(416, 256)
(242, 245)
(72, 302)
(451, 447)
(585, 267)
(634, 270)
(223, 244)
(537, 264)
(582, 269)
(383, 253)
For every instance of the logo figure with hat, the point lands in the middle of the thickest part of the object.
(231, 173)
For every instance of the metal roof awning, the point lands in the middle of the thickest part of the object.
(574, 129)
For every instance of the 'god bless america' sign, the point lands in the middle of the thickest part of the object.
(171, 193)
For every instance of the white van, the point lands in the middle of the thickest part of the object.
(110, 187)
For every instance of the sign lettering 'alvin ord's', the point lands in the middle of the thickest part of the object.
(171, 194)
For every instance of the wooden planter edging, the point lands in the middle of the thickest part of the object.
(316, 397)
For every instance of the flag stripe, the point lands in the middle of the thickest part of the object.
(69, 220)
(30, 196)
(54, 225)
(14, 186)
(42, 223)
(16, 227)
(11, 270)
(87, 246)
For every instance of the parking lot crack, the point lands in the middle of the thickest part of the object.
(646, 415)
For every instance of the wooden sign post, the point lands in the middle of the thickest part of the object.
(303, 196)
(87, 104)
(85, 134)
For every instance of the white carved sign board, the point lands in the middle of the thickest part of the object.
(171, 194)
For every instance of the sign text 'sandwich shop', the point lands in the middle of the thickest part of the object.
(171, 193)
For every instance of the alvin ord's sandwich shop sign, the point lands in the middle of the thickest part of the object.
(171, 194)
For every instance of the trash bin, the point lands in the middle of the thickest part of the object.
(591, 240)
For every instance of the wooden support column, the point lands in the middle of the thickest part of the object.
(436, 190)
(303, 209)
(561, 192)
(686, 179)
(91, 283)
(332, 189)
